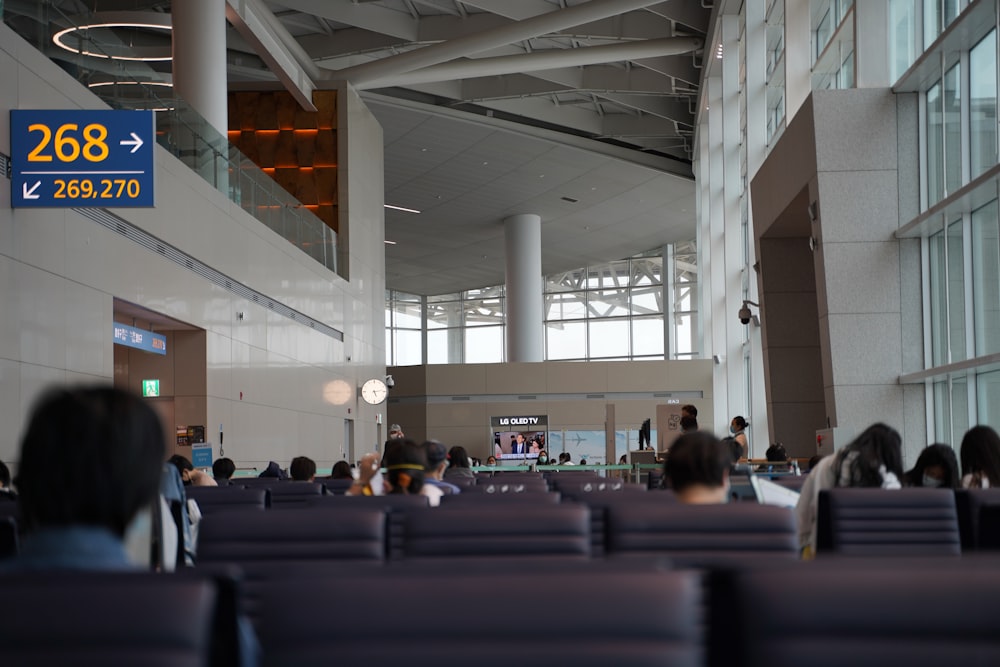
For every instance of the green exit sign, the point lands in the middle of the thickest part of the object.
(150, 388)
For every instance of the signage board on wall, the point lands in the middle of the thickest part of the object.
(140, 339)
(201, 454)
(519, 422)
(70, 158)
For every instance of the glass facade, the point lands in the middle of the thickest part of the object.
(962, 242)
(607, 311)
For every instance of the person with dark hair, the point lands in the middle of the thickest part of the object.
(689, 411)
(6, 492)
(697, 468)
(688, 424)
(459, 464)
(189, 475)
(980, 455)
(491, 460)
(273, 471)
(813, 460)
(936, 467)
(565, 459)
(437, 463)
(91, 459)
(776, 453)
(737, 428)
(543, 458)
(303, 469)
(222, 470)
(341, 470)
(873, 459)
(405, 466)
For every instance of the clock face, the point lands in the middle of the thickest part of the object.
(374, 391)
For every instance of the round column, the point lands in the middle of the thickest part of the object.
(199, 50)
(525, 314)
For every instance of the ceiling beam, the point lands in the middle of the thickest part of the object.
(363, 15)
(691, 14)
(276, 47)
(537, 61)
(624, 126)
(484, 41)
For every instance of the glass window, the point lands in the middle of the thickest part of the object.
(566, 340)
(566, 306)
(939, 299)
(483, 312)
(956, 291)
(983, 105)
(440, 346)
(986, 278)
(932, 21)
(959, 410)
(988, 393)
(935, 149)
(444, 314)
(953, 130)
(902, 36)
(609, 338)
(942, 412)
(484, 345)
(647, 336)
(608, 303)
(407, 351)
(647, 300)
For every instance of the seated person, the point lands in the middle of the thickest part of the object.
(273, 471)
(697, 468)
(341, 470)
(90, 461)
(405, 466)
(437, 463)
(222, 470)
(565, 459)
(874, 459)
(303, 469)
(936, 467)
(189, 475)
(459, 464)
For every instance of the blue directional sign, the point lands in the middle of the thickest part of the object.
(140, 339)
(70, 158)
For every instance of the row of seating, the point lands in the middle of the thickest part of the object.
(863, 612)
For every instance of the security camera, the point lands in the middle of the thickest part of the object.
(389, 382)
(745, 313)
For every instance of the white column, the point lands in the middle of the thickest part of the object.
(199, 50)
(523, 241)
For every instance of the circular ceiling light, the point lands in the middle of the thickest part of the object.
(135, 94)
(86, 29)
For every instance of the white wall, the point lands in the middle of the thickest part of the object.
(59, 273)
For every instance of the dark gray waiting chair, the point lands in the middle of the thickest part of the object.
(212, 499)
(879, 522)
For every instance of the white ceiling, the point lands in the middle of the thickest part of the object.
(469, 151)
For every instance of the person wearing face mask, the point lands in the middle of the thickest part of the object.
(543, 458)
(936, 467)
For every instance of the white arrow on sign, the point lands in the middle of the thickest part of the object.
(135, 143)
(29, 193)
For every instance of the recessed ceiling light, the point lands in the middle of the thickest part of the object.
(485, 163)
(401, 208)
(423, 150)
(388, 242)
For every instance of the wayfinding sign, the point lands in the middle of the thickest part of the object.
(69, 158)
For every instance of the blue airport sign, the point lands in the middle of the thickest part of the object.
(140, 339)
(70, 158)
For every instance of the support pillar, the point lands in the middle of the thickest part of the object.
(525, 314)
(199, 51)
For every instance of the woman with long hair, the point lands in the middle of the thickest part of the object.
(980, 458)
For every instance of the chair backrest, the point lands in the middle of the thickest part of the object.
(854, 612)
(92, 619)
(461, 481)
(700, 534)
(212, 499)
(878, 522)
(500, 499)
(511, 531)
(600, 501)
(9, 544)
(529, 619)
(337, 487)
(577, 489)
(294, 494)
(971, 505)
(793, 482)
(349, 533)
(508, 486)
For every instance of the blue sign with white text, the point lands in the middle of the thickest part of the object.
(140, 339)
(70, 158)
